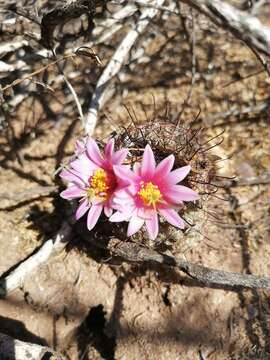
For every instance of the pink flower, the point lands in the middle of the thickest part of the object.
(91, 179)
(153, 190)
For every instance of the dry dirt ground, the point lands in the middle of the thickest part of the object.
(86, 305)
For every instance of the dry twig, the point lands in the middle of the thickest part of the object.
(247, 181)
(132, 253)
(29, 194)
(212, 120)
(13, 349)
(103, 88)
(63, 13)
(136, 253)
(51, 247)
(244, 26)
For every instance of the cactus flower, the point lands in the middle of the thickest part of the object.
(92, 180)
(152, 191)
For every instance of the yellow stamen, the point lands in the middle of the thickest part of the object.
(150, 194)
(99, 185)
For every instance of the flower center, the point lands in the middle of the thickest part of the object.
(99, 185)
(150, 194)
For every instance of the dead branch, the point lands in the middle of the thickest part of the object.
(260, 107)
(241, 24)
(132, 253)
(138, 55)
(7, 47)
(63, 13)
(6, 68)
(36, 72)
(29, 194)
(254, 180)
(51, 247)
(256, 6)
(103, 88)
(262, 179)
(207, 276)
(101, 33)
(13, 349)
(166, 9)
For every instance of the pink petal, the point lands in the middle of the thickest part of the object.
(108, 211)
(172, 217)
(164, 167)
(124, 173)
(145, 214)
(137, 168)
(179, 193)
(119, 156)
(152, 226)
(124, 197)
(178, 175)
(148, 163)
(127, 209)
(79, 147)
(84, 166)
(72, 192)
(122, 194)
(93, 216)
(109, 149)
(83, 207)
(122, 204)
(93, 152)
(68, 175)
(135, 223)
(118, 216)
(81, 161)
